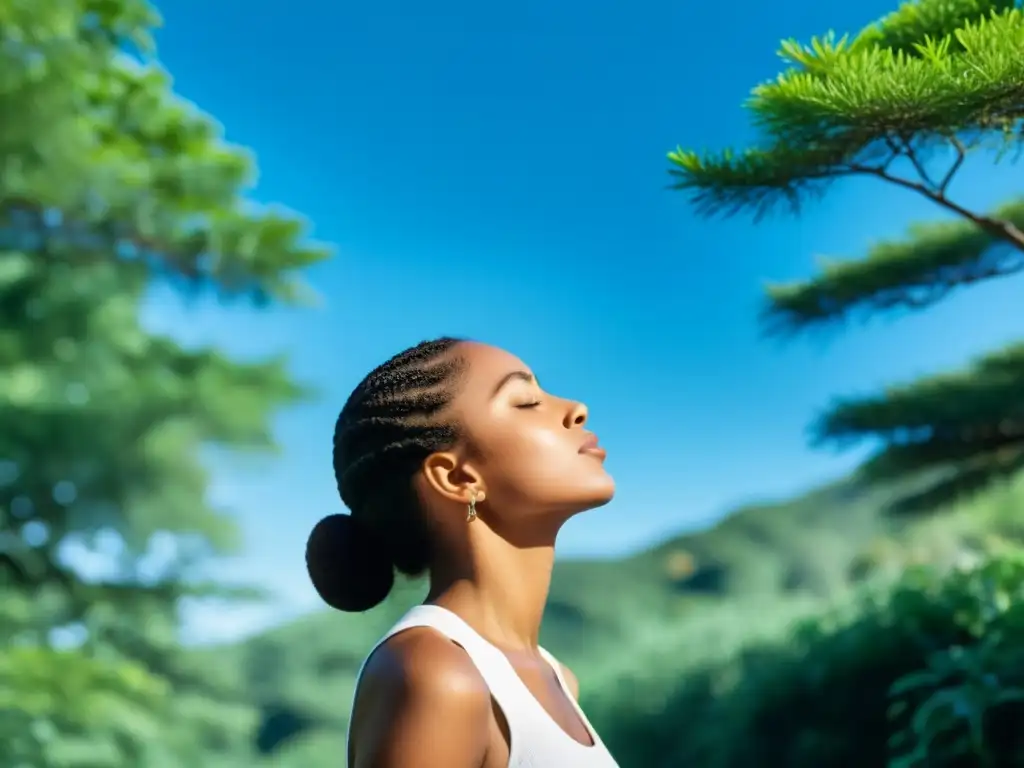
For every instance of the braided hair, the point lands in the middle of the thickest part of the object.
(389, 425)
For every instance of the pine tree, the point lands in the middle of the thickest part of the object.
(109, 183)
(906, 101)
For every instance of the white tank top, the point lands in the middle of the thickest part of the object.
(537, 741)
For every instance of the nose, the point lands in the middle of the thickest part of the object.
(576, 416)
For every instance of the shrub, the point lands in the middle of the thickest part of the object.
(926, 672)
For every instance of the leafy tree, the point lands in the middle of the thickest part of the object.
(905, 101)
(108, 183)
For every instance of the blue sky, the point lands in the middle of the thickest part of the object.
(499, 172)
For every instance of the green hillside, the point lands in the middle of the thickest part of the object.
(618, 622)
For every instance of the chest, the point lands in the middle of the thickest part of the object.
(544, 717)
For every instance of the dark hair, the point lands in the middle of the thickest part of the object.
(389, 425)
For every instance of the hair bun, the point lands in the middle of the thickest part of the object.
(349, 568)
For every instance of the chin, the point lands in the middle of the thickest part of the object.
(598, 494)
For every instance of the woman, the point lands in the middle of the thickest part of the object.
(454, 462)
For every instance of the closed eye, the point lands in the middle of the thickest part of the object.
(529, 405)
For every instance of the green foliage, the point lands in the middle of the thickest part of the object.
(54, 702)
(952, 708)
(933, 78)
(103, 159)
(109, 182)
(934, 70)
(923, 672)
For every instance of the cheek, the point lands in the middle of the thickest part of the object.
(527, 448)
(541, 466)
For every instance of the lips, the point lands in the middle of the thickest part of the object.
(590, 446)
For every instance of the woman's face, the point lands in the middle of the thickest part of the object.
(530, 451)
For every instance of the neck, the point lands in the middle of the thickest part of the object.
(497, 587)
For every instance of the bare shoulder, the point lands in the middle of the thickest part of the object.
(423, 662)
(422, 704)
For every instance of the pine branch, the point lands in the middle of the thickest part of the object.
(909, 274)
(968, 426)
(844, 101)
(958, 485)
(895, 461)
(985, 399)
(913, 24)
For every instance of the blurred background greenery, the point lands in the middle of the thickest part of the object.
(876, 621)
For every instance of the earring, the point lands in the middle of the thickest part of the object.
(471, 514)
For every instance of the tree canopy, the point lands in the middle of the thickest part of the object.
(905, 101)
(109, 183)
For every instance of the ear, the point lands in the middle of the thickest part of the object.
(453, 479)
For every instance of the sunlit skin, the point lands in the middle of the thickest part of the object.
(531, 463)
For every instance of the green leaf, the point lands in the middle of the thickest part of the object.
(913, 682)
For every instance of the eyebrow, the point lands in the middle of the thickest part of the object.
(514, 376)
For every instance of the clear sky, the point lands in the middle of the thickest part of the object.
(498, 171)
